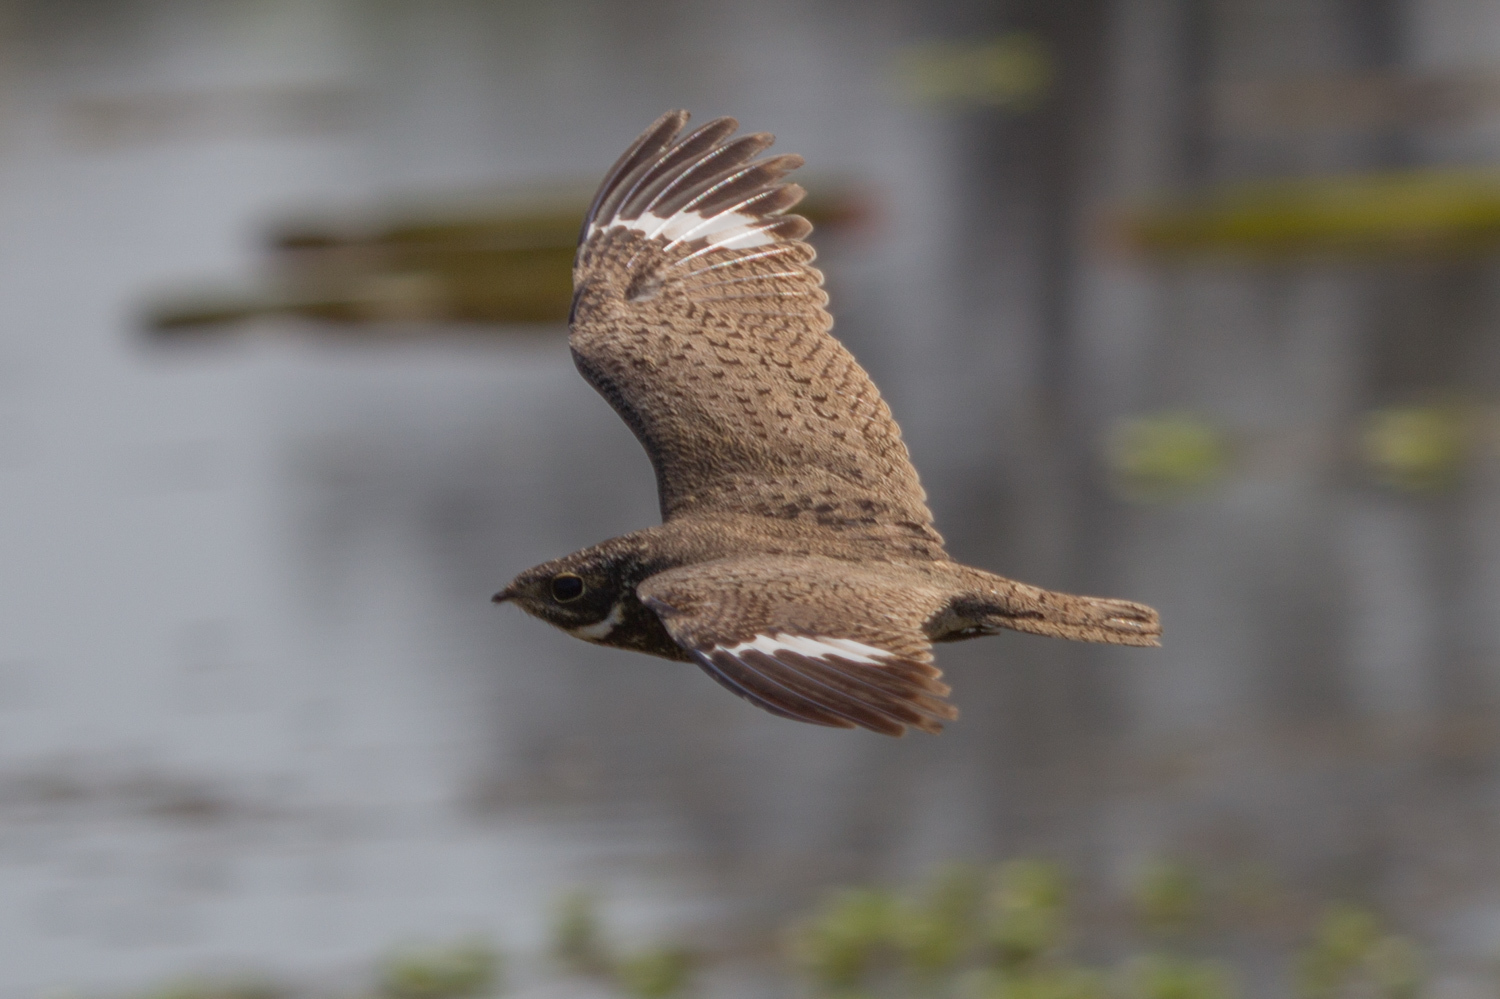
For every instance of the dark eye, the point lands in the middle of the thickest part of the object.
(566, 586)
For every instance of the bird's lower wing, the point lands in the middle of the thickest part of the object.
(812, 639)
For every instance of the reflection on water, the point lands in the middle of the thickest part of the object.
(294, 792)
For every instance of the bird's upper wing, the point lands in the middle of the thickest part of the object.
(813, 639)
(698, 315)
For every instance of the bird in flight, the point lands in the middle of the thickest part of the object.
(796, 561)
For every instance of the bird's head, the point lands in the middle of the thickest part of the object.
(580, 593)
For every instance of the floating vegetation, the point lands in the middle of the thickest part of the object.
(1012, 931)
(989, 934)
(1164, 456)
(497, 262)
(1419, 448)
(580, 946)
(1163, 976)
(1169, 898)
(1014, 71)
(468, 970)
(1352, 955)
(852, 935)
(1426, 212)
(656, 973)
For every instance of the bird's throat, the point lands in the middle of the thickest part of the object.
(599, 631)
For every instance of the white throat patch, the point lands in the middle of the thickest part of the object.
(600, 630)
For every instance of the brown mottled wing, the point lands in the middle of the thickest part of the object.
(813, 639)
(698, 315)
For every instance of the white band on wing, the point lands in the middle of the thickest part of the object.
(741, 231)
(813, 648)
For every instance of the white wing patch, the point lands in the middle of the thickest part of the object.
(813, 648)
(703, 192)
(726, 230)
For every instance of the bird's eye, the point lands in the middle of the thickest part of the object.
(566, 586)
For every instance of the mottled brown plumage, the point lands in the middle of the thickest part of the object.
(797, 562)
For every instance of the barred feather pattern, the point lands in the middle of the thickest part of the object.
(814, 639)
(699, 316)
(797, 563)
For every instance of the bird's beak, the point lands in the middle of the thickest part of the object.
(509, 593)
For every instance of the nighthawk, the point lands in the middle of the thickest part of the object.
(797, 562)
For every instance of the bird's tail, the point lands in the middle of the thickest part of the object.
(1000, 603)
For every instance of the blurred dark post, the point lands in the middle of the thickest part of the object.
(1023, 483)
(1356, 609)
(1376, 29)
(1058, 723)
(1425, 330)
(1195, 51)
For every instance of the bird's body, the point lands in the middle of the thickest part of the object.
(797, 562)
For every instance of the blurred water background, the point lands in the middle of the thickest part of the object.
(1192, 302)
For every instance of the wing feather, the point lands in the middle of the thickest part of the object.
(645, 149)
(649, 180)
(678, 187)
(813, 639)
(748, 687)
(699, 316)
